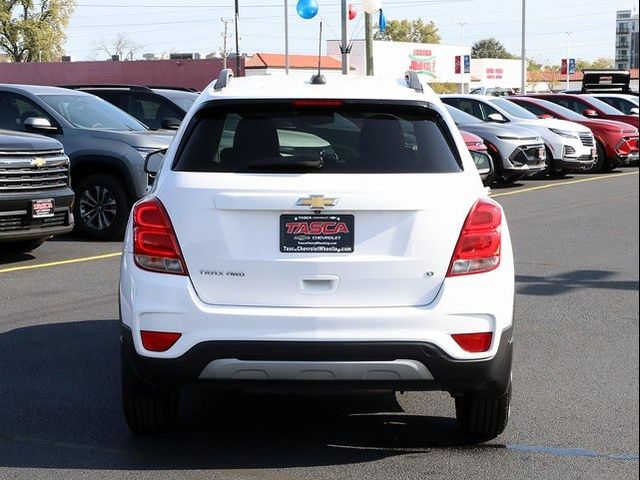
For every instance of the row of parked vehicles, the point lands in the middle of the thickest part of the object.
(108, 131)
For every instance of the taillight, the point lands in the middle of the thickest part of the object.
(478, 248)
(474, 342)
(155, 246)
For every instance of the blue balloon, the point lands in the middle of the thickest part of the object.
(382, 24)
(307, 9)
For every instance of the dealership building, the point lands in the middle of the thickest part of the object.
(436, 63)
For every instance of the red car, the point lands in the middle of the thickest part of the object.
(480, 156)
(590, 107)
(617, 142)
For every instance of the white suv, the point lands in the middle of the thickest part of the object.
(304, 236)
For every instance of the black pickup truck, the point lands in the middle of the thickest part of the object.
(35, 193)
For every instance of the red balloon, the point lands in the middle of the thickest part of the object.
(353, 13)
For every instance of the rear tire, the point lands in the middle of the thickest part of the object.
(147, 409)
(483, 418)
(24, 246)
(101, 209)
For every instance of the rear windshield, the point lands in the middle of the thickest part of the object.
(317, 137)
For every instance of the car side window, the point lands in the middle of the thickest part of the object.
(15, 109)
(567, 103)
(533, 108)
(471, 107)
(151, 111)
(488, 110)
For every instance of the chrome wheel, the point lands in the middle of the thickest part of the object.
(98, 207)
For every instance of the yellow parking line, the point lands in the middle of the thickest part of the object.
(561, 184)
(60, 263)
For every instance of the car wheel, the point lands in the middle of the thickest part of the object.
(147, 409)
(24, 246)
(601, 163)
(101, 209)
(551, 171)
(483, 418)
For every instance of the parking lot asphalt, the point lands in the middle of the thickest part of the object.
(574, 414)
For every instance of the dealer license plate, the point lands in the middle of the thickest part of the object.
(43, 208)
(317, 233)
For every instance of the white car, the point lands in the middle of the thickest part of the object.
(627, 104)
(571, 147)
(368, 259)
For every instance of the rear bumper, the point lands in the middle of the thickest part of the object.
(16, 223)
(487, 376)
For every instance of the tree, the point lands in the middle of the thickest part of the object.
(533, 66)
(121, 45)
(405, 30)
(34, 31)
(490, 48)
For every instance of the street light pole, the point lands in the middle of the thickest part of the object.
(345, 38)
(568, 55)
(523, 82)
(237, 16)
(462, 24)
(286, 37)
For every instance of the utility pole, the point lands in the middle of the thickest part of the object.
(462, 24)
(368, 33)
(568, 55)
(225, 36)
(237, 22)
(344, 48)
(523, 83)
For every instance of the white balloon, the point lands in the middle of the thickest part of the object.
(371, 6)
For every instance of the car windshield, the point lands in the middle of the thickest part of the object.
(604, 107)
(184, 100)
(512, 109)
(560, 110)
(318, 137)
(92, 113)
(460, 117)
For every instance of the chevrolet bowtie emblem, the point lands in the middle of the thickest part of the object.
(317, 202)
(38, 162)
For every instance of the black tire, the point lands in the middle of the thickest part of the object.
(101, 208)
(24, 246)
(483, 418)
(147, 409)
(602, 163)
(551, 171)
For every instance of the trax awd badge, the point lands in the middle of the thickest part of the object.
(317, 202)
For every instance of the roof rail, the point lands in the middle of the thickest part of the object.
(224, 79)
(413, 81)
(138, 88)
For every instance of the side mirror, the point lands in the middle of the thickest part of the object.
(170, 124)
(39, 124)
(590, 113)
(545, 116)
(483, 163)
(497, 118)
(153, 162)
(634, 111)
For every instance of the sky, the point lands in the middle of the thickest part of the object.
(196, 25)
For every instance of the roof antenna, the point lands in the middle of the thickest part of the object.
(319, 78)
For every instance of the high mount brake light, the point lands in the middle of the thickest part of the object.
(155, 246)
(479, 245)
(318, 103)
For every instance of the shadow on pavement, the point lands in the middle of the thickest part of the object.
(6, 258)
(60, 408)
(569, 281)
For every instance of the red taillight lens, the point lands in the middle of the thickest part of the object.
(159, 341)
(155, 246)
(474, 342)
(478, 248)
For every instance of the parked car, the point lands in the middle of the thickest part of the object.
(626, 103)
(106, 146)
(35, 191)
(480, 154)
(570, 147)
(373, 267)
(617, 142)
(516, 151)
(590, 107)
(157, 108)
(492, 91)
